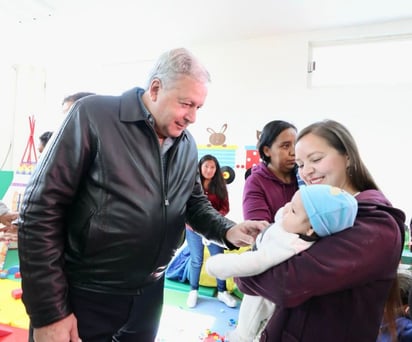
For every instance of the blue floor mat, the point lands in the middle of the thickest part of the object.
(179, 323)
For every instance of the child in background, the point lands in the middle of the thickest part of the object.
(397, 324)
(315, 211)
(43, 140)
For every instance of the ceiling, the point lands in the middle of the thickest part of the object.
(50, 25)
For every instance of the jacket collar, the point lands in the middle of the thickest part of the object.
(132, 107)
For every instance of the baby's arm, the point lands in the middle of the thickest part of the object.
(277, 246)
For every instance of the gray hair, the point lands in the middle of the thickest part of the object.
(176, 63)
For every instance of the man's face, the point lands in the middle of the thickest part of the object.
(174, 107)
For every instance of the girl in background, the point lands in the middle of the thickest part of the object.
(43, 140)
(214, 187)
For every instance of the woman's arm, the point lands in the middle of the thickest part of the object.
(367, 252)
(255, 205)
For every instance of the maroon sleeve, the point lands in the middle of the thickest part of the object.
(368, 251)
(255, 204)
(221, 205)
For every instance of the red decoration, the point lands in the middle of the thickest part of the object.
(27, 163)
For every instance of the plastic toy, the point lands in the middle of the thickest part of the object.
(213, 337)
(232, 322)
(16, 293)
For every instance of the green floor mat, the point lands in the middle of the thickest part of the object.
(175, 298)
(6, 177)
(236, 292)
(12, 259)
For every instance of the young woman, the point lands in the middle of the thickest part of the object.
(336, 290)
(214, 186)
(315, 212)
(272, 183)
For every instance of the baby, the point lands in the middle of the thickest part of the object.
(315, 211)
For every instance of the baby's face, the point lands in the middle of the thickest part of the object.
(294, 218)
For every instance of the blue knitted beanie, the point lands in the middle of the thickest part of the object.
(330, 209)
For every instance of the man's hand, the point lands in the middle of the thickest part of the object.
(64, 330)
(7, 219)
(245, 233)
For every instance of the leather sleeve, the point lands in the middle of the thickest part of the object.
(41, 254)
(206, 220)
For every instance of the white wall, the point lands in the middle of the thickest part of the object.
(255, 81)
(264, 79)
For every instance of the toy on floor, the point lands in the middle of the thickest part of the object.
(212, 337)
(17, 293)
(13, 334)
(5, 330)
(12, 270)
(232, 322)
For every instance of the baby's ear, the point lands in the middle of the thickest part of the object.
(310, 232)
(407, 310)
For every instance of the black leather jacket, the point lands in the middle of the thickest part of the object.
(99, 213)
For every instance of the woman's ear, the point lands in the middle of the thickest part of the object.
(266, 151)
(347, 162)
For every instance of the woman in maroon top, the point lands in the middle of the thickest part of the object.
(273, 181)
(214, 186)
(336, 290)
